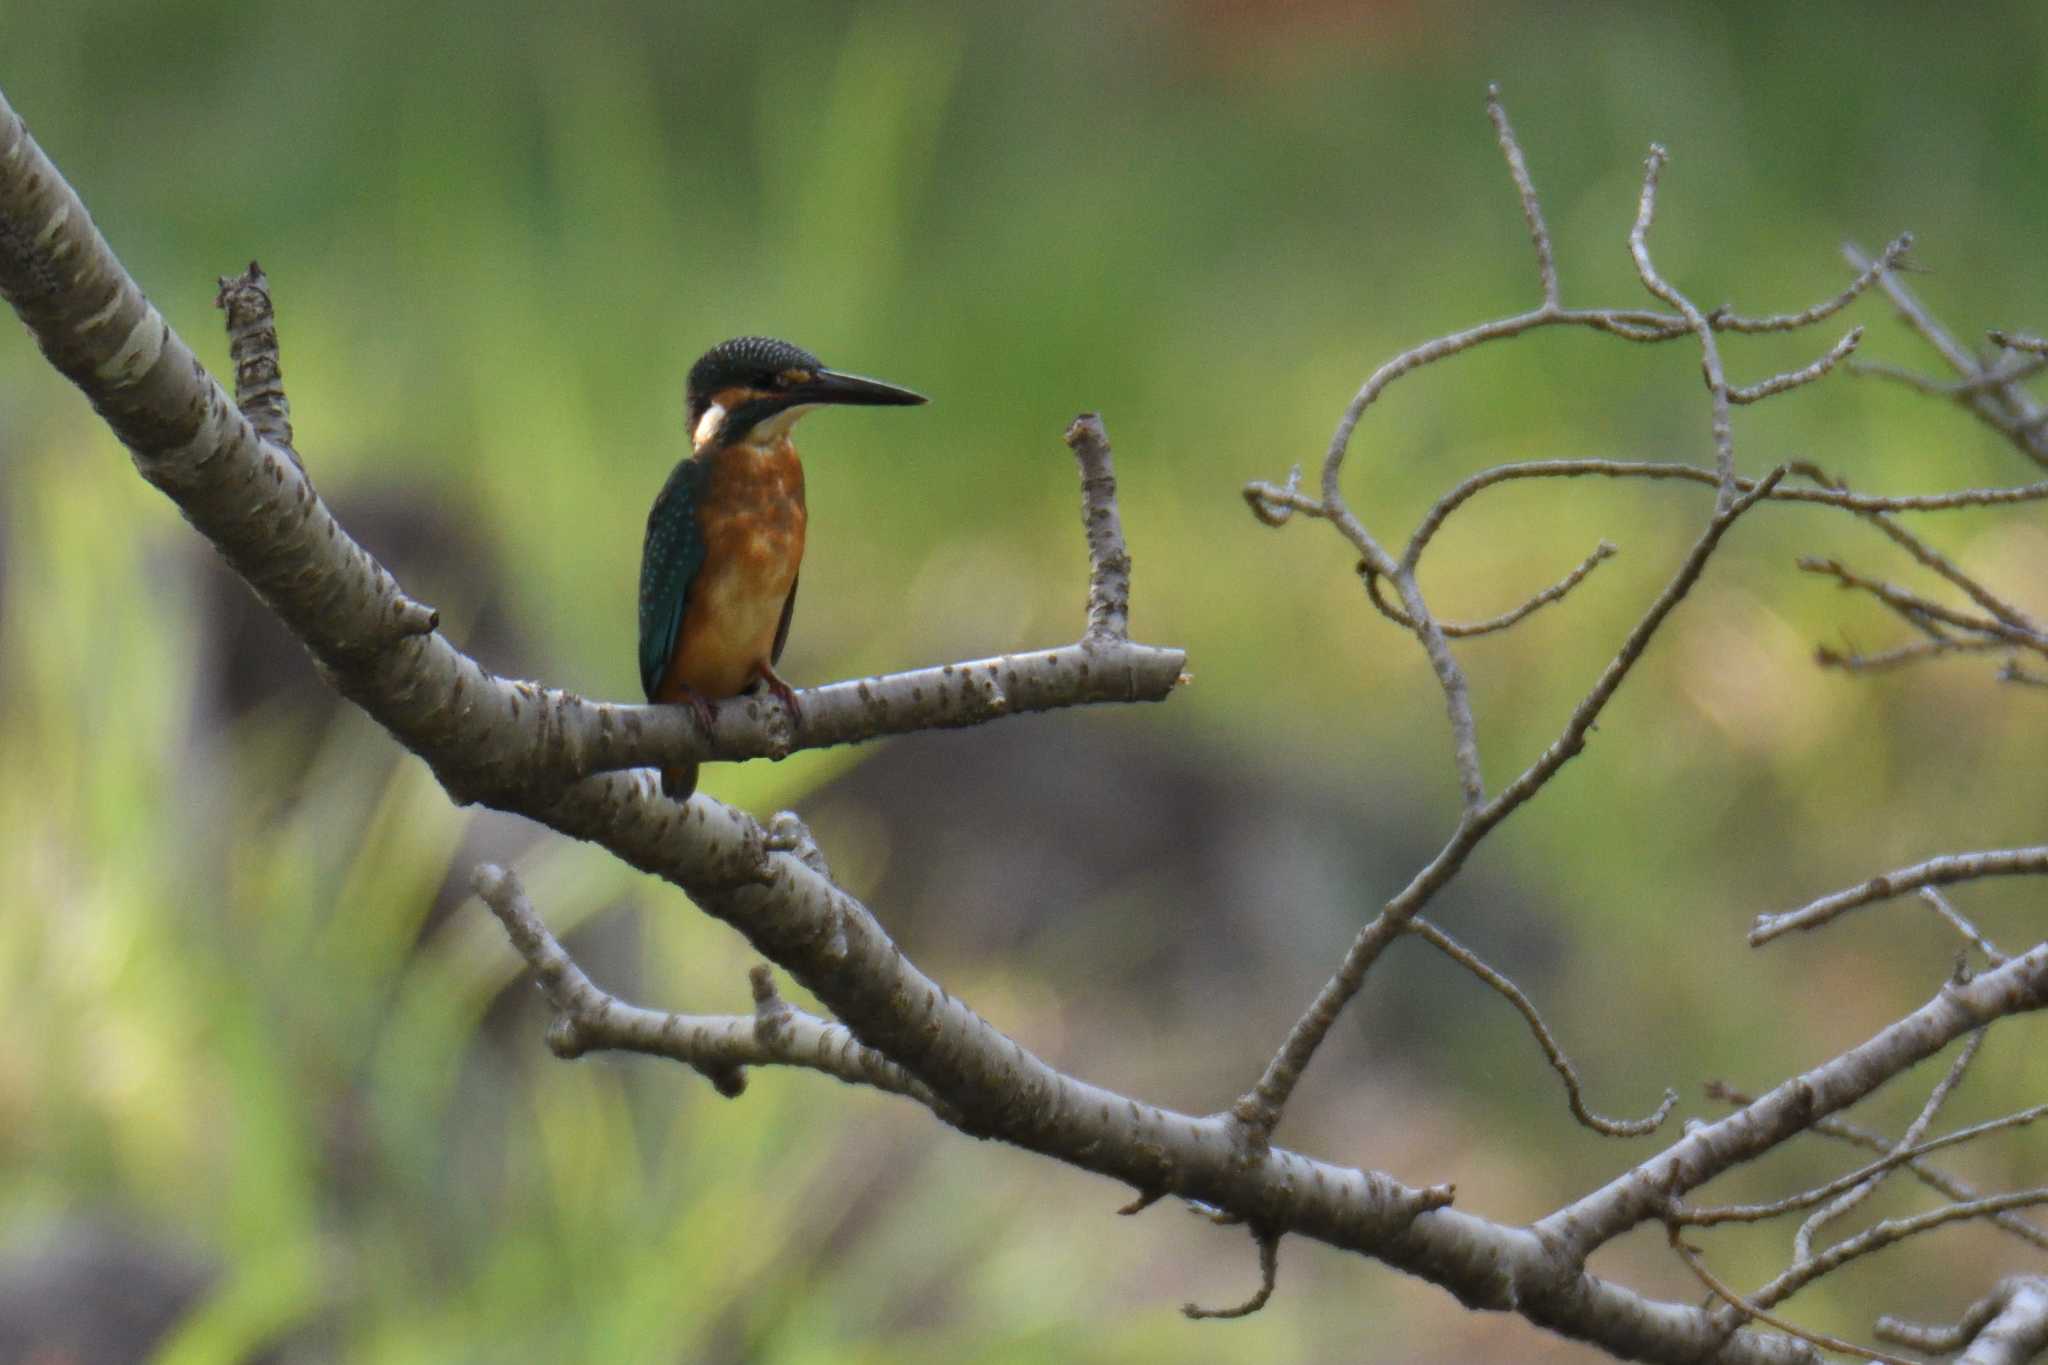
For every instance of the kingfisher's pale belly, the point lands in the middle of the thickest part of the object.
(753, 521)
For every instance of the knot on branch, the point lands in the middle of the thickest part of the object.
(1277, 506)
(253, 346)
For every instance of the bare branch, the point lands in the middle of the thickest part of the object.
(1984, 382)
(1888, 1233)
(1259, 1110)
(1802, 1241)
(1920, 610)
(1707, 1150)
(1901, 655)
(1942, 1182)
(1109, 562)
(1806, 374)
(1269, 1272)
(2019, 341)
(2006, 409)
(1942, 871)
(1559, 1063)
(1942, 907)
(1945, 1340)
(1532, 208)
(1941, 564)
(2009, 1326)
(718, 1046)
(1573, 740)
(1899, 1155)
(1750, 1308)
(1554, 593)
(1866, 276)
(1710, 350)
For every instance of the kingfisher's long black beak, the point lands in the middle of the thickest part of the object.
(830, 386)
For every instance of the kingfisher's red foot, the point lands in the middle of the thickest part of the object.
(706, 713)
(784, 693)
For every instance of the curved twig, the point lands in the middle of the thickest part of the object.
(1269, 1274)
(1464, 631)
(1561, 1064)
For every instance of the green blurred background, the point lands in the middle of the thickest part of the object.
(261, 1056)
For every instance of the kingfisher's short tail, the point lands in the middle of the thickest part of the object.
(678, 780)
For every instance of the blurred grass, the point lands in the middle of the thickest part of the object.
(499, 236)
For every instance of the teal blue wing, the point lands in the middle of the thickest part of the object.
(669, 561)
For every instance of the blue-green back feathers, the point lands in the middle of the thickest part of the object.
(669, 561)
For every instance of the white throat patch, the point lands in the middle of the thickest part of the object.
(707, 427)
(769, 431)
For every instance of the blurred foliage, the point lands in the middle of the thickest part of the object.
(248, 1010)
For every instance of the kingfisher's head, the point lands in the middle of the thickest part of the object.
(753, 388)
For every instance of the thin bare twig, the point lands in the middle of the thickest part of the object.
(1961, 925)
(1921, 610)
(1985, 381)
(1950, 1186)
(1532, 207)
(1890, 258)
(1561, 1064)
(2006, 409)
(1890, 1232)
(1805, 374)
(1901, 655)
(2019, 341)
(1573, 739)
(1841, 1204)
(1942, 871)
(1269, 1273)
(1710, 349)
(1830, 495)
(1898, 1155)
(1467, 630)
(1940, 563)
(1751, 1309)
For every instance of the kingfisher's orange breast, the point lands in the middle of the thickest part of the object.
(751, 514)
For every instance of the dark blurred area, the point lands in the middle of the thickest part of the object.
(92, 1291)
(283, 1092)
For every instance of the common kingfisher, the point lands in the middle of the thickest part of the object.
(725, 536)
